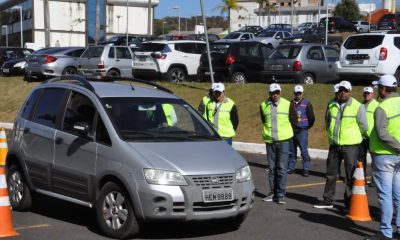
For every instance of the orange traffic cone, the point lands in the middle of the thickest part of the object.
(3, 147)
(6, 227)
(359, 210)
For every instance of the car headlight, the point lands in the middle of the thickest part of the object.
(243, 174)
(297, 40)
(163, 177)
(20, 65)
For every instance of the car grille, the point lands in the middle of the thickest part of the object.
(213, 181)
(357, 56)
(216, 206)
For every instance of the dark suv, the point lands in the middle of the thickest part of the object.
(389, 21)
(253, 29)
(10, 53)
(237, 62)
(338, 24)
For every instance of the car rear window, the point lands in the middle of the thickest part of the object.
(221, 48)
(233, 35)
(285, 52)
(152, 47)
(363, 42)
(93, 52)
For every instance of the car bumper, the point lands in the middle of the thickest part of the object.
(185, 203)
(220, 74)
(12, 71)
(93, 73)
(363, 72)
(290, 76)
(148, 73)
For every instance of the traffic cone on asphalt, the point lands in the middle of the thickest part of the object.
(359, 210)
(3, 147)
(6, 227)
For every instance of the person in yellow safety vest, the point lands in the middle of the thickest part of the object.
(370, 104)
(385, 144)
(170, 114)
(222, 113)
(204, 101)
(277, 118)
(346, 126)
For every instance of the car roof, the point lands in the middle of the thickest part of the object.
(173, 41)
(107, 89)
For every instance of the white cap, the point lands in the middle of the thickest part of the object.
(220, 87)
(336, 88)
(368, 90)
(386, 80)
(298, 88)
(213, 85)
(345, 84)
(274, 87)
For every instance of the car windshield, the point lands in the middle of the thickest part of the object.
(113, 39)
(266, 34)
(285, 52)
(233, 35)
(157, 119)
(363, 41)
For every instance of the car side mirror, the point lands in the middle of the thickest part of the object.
(155, 54)
(242, 38)
(278, 37)
(82, 128)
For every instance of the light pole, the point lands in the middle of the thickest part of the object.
(127, 21)
(163, 25)
(177, 8)
(20, 18)
(291, 18)
(5, 26)
(326, 23)
(207, 42)
(118, 17)
(369, 16)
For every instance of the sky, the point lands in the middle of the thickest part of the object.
(188, 8)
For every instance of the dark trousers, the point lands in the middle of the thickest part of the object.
(278, 156)
(363, 154)
(349, 154)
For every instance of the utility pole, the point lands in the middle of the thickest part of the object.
(97, 26)
(149, 18)
(46, 23)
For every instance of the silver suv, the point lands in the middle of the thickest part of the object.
(134, 153)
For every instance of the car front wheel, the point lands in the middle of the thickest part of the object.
(19, 193)
(115, 213)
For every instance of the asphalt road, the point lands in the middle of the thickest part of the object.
(55, 219)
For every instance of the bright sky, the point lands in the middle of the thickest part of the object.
(188, 8)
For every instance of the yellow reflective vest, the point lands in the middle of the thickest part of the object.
(221, 118)
(370, 114)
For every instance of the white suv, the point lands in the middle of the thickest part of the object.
(369, 56)
(173, 60)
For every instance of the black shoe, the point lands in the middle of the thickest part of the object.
(306, 173)
(323, 204)
(378, 236)
(291, 171)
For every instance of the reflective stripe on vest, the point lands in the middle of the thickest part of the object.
(220, 118)
(343, 126)
(277, 126)
(391, 107)
(206, 100)
(370, 114)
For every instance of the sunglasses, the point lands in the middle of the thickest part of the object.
(343, 90)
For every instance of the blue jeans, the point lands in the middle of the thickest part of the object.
(386, 173)
(277, 155)
(300, 139)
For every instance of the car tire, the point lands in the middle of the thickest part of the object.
(113, 73)
(70, 71)
(19, 193)
(116, 218)
(336, 46)
(238, 78)
(307, 78)
(176, 75)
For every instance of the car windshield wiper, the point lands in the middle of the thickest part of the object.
(130, 134)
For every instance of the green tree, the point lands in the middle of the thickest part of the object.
(226, 7)
(348, 9)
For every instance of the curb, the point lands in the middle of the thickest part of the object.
(257, 148)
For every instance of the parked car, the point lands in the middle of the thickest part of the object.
(305, 26)
(369, 55)
(237, 62)
(362, 26)
(338, 24)
(279, 27)
(305, 63)
(253, 29)
(107, 60)
(389, 21)
(174, 37)
(15, 67)
(10, 53)
(114, 147)
(52, 62)
(317, 35)
(117, 40)
(272, 38)
(171, 60)
(202, 37)
(237, 37)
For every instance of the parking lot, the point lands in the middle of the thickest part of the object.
(55, 219)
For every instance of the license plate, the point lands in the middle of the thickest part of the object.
(357, 61)
(142, 59)
(6, 70)
(218, 195)
(208, 73)
(276, 67)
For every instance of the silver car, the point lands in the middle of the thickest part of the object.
(52, 62)
(236, 37)
(106, 61)
(133, 152)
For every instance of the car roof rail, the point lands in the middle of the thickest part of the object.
(74, 78)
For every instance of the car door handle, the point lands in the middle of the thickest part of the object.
(26, 130)
(59, 140)
(117, 60)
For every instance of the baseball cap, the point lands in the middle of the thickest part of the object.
(274, 87)
(336, 88)
(345, 84)
(220, 87)
(368, 90)
(213, 85)
(386, 80)
(298, 88)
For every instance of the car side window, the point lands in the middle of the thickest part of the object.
(123, 53)
(201, 48)
(48, 107)
(332, 54)
(278, 35)
(265, 50)
(111, 53)
(286, 34)
(102, 135)
(79, 109)
(76, 53)
(396, 42)
(316, 53)
(28, 105)
(186, 47)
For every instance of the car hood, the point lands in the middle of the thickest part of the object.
(191, 158)
(14, 61)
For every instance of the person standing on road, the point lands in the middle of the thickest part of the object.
(346, 126)
(204, 101)
(385, 145)
(304, 121)
(277, 117)
(222, 113)
(370, 104)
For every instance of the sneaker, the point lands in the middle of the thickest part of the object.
(291, 171)
(269, 197)
(378, 236)
(306, 173)
(323, 204)
(281, 201)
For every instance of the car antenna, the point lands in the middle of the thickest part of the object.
(133, 89)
